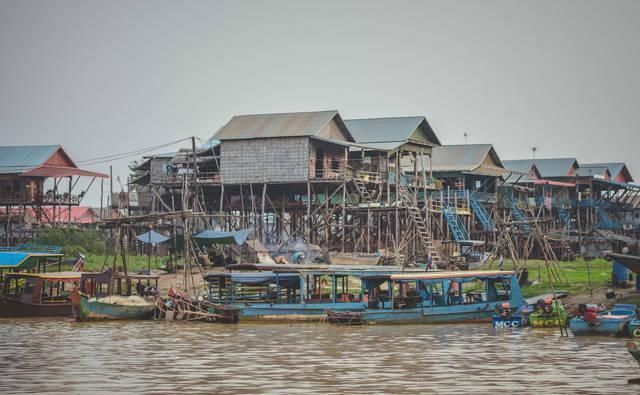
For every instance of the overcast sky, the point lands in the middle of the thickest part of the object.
(107, 77)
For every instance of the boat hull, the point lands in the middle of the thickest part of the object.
(634, 328)
(13, 309)
(288, 312)
(603, 326)
(430, 315)
(515, 321)
(92, 309)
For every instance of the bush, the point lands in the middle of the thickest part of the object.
(73, 240)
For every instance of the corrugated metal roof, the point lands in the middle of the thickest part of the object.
(593, 171)
(464, 157)
(389, 130)
(518, 166)
(614, 168)
(22, 158)
(552, 167)
(297, 124)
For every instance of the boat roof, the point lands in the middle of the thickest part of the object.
(133, 276)
(325, 268)
(22, 259)
(50, 275)
(451, 275)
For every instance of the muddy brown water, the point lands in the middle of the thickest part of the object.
(62, 356)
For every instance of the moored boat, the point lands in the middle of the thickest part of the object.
(591, 321)
(634, 327)
(506, 317)
(37, 294)
(110, 296)
(548, 313)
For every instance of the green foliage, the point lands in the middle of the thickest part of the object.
(73, 241)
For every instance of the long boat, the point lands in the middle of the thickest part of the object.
(37, 294)
(384, 294)
(440, 297)
(614, 322)
(293, 292)
(111, 296)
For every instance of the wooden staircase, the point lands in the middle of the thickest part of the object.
(407, 197)
(362, 190)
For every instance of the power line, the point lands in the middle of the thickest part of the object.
(123, 155)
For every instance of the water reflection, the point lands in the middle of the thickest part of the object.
(157, 357)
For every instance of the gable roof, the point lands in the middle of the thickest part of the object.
(40, 161)
(615, 168)
(390, 133)
(465, 158)
(594, 171)
(552, 167)
(22, 158)
(298, 124)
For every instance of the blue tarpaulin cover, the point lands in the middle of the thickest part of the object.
(152, 237)
(219, 237)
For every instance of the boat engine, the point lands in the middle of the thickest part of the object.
(589, 312)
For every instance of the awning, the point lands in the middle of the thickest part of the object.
(219, 237)
(60, 171)
(152, 237)
(22, 259)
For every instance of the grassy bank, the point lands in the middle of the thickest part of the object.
(577, 276)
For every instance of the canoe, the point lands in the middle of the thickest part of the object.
(87, 309)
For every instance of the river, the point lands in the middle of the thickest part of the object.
(62, 356)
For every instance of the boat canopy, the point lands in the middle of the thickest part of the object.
(220, 237)
(53, 276)
(23, 259)
(287, 280)
(462, 276)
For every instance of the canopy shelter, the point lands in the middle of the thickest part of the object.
(25, 260)
(220, 237)
(287, 280)
(152, 237)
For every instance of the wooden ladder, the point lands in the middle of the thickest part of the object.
(407, 199)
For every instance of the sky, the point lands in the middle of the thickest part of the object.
(103, 78)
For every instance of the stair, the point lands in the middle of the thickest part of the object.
(455, 225)
(362, 190)
(568, 250)
(406, 196)
(481, 213)
(564, 216)
(604, 220)
(517, 214)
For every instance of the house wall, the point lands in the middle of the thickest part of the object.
(331, 165)
(281, 159)
(158, 169)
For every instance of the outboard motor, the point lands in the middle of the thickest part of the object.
(591, 313)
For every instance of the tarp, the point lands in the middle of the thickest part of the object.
(152, 237)
(219, 237)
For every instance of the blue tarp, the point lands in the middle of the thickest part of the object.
(219, 237)
(152, 237)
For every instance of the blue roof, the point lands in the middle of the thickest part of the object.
(219, 237)
(152, 237)
(22, 158)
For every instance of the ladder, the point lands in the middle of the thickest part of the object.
(481, 213)
(362, 189)
(564, 216)
(518, 214)
(455, 225)
(406, 196)
(567, 249)
(604, 221)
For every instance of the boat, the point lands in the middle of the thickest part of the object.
(37, 294)
(548, 313)
(439, 297)
(506, 317)
(634, 328)
(591, 321)
(109, 295)
(344, 318)
(291, 292)
(354, 259)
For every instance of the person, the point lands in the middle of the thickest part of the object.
(298, 258)
(429, 262)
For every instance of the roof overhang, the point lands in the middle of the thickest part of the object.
(58, 171)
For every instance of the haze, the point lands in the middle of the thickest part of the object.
(108, 77)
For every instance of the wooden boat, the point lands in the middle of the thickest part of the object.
(506, 317)
(614, 322)
(549, 313)
(109, 295)
(37, 294)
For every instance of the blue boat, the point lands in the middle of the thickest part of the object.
(592, 322)
(506, 317)
(439, 297)
(285, 293)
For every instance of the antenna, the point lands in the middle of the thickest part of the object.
(534, 149)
